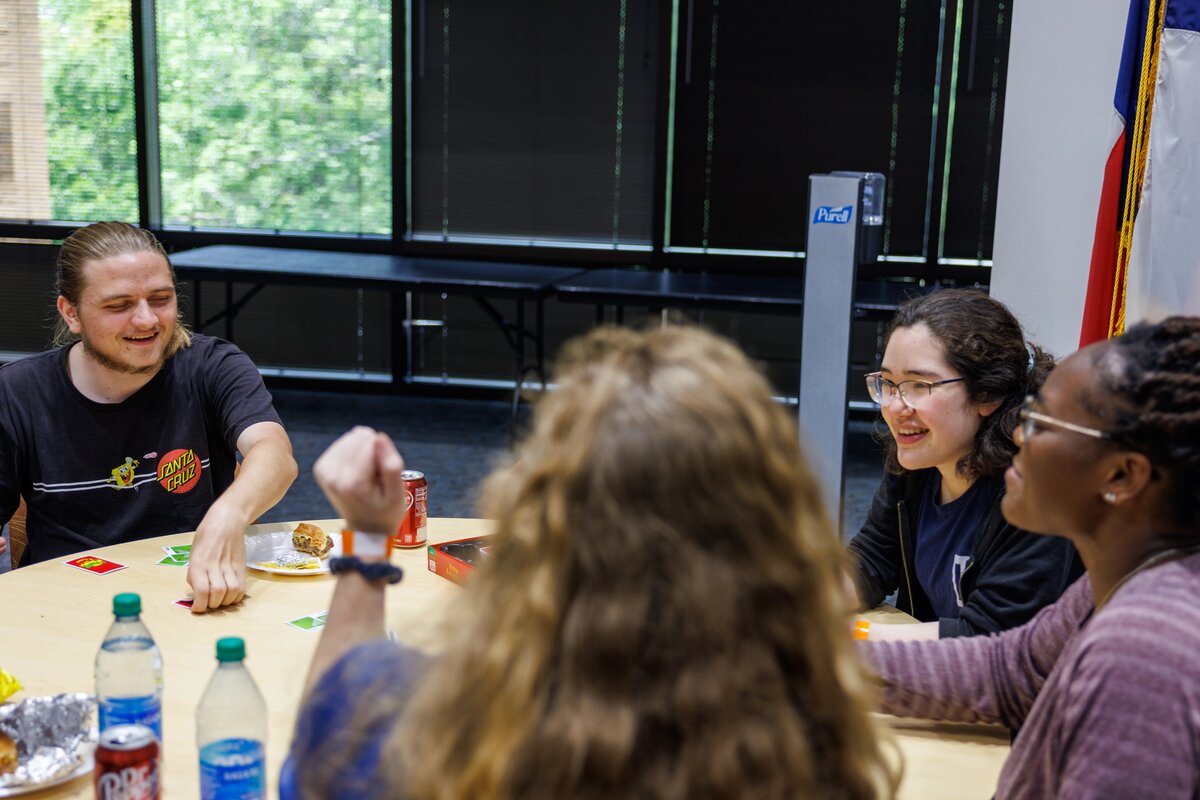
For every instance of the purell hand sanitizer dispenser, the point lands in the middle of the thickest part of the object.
(845, 229)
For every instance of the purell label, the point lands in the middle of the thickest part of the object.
(834, 215)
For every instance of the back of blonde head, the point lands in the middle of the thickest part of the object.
(662, 616)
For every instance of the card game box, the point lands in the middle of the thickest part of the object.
(457, 559)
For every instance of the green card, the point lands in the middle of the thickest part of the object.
(310, 622)
(178, 550)
(180, 560)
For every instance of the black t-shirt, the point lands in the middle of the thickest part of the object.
(94, 474)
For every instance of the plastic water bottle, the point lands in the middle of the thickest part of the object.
(129, 671)
(231, 730)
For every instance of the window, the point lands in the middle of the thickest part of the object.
(533, 122)
(679, 132)
(770, 92)
(66, 80)
(8, 172)
(968, 207)
(276, 115)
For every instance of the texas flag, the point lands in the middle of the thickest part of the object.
(1146, 253)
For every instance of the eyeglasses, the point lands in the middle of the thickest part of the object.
(913, 393)
(1031, 420)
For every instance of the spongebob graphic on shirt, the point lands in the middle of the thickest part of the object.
(122, 476)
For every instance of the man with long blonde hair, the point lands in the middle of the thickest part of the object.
(661, 614)
(131, 427)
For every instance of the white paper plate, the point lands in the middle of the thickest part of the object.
(84, 768)
(269, 546)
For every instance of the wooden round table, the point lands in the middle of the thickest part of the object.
(53, 618)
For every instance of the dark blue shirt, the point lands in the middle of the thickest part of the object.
(946, 541)
(331, 728)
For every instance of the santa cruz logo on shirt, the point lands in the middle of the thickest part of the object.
(179, 471)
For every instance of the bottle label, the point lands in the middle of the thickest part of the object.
(232, 769)
(145, 710)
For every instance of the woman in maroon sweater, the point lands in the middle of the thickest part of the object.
(1104, 684)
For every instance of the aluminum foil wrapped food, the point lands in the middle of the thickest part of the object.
(294, 559)
(54, 736)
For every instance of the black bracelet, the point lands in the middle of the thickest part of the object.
(371, 570)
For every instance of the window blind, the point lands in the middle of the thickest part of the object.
(771, 92)
(533, 122)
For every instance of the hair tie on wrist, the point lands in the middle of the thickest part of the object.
(371, 570)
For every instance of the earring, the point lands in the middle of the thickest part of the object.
(1110, 497)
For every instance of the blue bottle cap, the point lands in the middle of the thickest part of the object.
(231, 648)
(127, 604)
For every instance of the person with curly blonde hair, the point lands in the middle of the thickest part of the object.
(661, 616)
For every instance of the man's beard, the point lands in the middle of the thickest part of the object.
(122, 367)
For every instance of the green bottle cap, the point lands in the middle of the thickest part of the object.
(127, 604)
(231, 648)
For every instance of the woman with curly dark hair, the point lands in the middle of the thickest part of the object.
(661, 614)
(1103, 683)
(955, 370)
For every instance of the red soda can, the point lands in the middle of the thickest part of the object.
(412, 530)
(127, 764)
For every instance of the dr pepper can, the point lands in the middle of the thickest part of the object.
(127, 764)
(412, 530)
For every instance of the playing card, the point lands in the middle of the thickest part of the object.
(174, 560)
(311, 622)
(94, 564)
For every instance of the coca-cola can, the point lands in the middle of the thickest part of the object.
(127, 764)
(412, 530)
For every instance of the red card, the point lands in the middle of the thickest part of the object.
(94, 564)
(183, 602)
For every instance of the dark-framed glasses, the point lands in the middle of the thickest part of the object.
(913, 393)
(1032, 419)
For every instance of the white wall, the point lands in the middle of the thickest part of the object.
(1062, 68)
